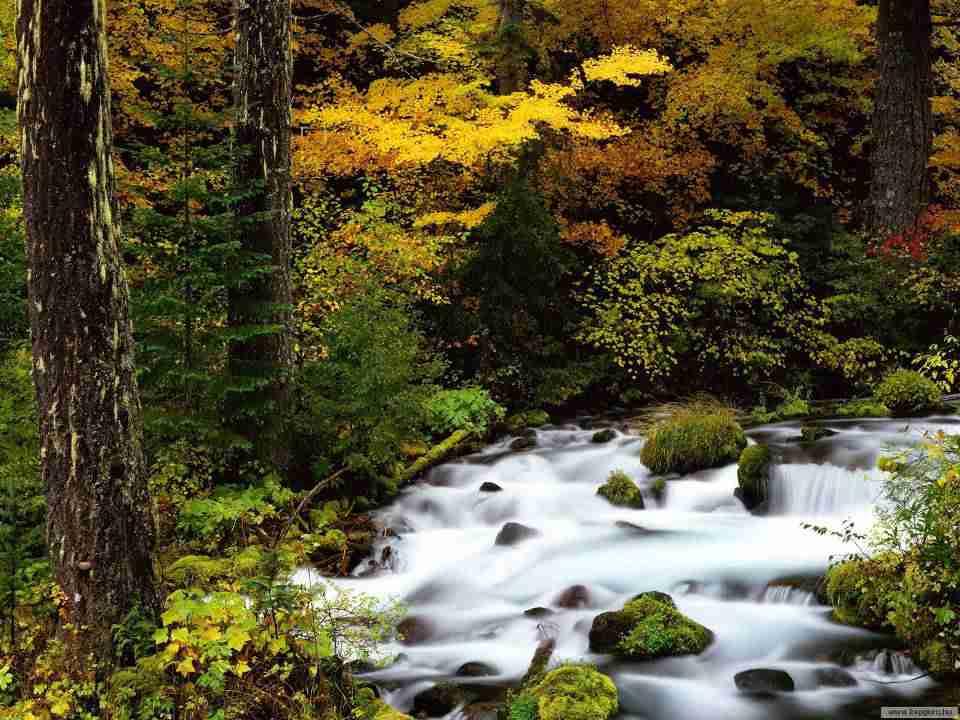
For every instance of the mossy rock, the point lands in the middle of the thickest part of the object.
(529, 419)
(621, 491)
(439, 700)
(753, 475)
(812, 433)
(523, 443)
(575, 692)
(648, 627)
(692, 441)
(863, 408)
(604, 436)
(907, 392)
(385, 712)
(854, 588)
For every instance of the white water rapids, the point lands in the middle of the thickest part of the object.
(742, 575)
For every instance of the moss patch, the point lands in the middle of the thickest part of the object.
(753, 474)
(621, 491)
(648, 627)
(576, 692)
(863, 407)
(693, 439)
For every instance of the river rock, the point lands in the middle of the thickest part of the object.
(523, 443)
(415, 629)
(834, 677)
(604, 436)
(633, 528)
(481, 711)
(648, 627)
(538, 612)
(438, 701)
(764, 681)
(476, 669)
(573, 598)
(490, 487)
(514, 533)
(812, 433)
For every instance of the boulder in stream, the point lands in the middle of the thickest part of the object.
(523, 443)
(573, 598)
(648, 627)
(604, 436)
(439, 700)
(753, 475)
(513, 533)
(414, 630)
(764, 681)
(490, 487)
(834, 677)
(575, 692)
(812, 432)
(476, 669)
(621, 491)
(539, 612)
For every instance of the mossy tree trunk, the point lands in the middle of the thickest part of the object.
(260, 309)
(902, 118)
(100, 523)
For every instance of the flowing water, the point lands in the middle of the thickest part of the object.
(745, 576)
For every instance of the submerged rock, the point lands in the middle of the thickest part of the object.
(490, 487)
(621, 491)
(648, 627)
(476, 669)
(438, 700)
(523, 443)
(764, 681)
(513, 533)
(812, 433)
(834, 677)
(573, 598)
(633, 528)
(539, 612)
(415, 629)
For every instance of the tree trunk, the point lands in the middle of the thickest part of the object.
(511, 64)
(263, 97)
(902, 117)
(100, 522)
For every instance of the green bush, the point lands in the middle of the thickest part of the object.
(910, 581)
(753, 474)
(576, 692)
(907, 392)
(693, 437)
(863, 407)
(471, 409)
(522, 707)
(621, 491)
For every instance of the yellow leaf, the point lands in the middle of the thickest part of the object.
(185, 667)
(241, 667)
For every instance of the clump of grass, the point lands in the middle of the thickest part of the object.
(693, 435)
(620, 490)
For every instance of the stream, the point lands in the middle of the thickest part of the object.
(746, 577)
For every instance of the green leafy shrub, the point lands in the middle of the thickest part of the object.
(522, 707)
(691, 437)
(576, 692)
(528, 419)
(469, 409)
(907, 392)
(753, 474)
(621, 491)
(232, 513)
(910, 581)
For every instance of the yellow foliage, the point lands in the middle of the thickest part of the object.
(625, 65)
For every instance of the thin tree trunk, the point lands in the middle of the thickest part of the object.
(263, 97)
(511, 66)
(902, 118)
(100, 523)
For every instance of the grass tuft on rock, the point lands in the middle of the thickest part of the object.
(648, 627)
(696, 435)
(753, 475)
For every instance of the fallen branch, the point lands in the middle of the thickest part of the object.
(436, 455)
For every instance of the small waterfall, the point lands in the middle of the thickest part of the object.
(786, 595)
(887, 662)
(821, 490)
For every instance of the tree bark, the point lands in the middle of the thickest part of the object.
(100, 522)
(902, 117)
(263, 98)
(511, 67)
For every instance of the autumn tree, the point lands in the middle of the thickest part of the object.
(260, 307)
(100, 525)
(903, 116)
